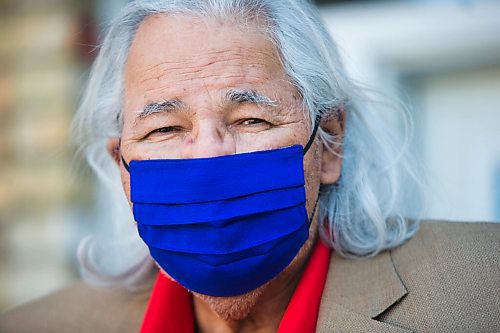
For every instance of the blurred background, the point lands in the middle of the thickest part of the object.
(443, 57)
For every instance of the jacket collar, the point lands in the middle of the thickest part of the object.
(357, 291)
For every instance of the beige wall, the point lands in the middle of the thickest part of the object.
(41, 197)
(444, 57)
(460, 126)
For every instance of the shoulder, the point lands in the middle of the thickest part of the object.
(471, 235)
(451, 271)
(444, 279)
(79, 308)
(449, 248)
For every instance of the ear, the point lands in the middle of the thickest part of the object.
(331, 158)
(113, 147)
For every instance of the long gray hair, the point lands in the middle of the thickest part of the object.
(359, 216)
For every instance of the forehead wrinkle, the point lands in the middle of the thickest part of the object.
(197, 60)
(193, 69)
(229, 81)
(227, 70)
(200, 59)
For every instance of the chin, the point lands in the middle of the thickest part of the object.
(233, 308)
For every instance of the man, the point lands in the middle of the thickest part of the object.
(239, 142)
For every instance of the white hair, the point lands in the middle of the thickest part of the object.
(359, 216)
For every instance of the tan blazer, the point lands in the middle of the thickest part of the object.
(445, 279)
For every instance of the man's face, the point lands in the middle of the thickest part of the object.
(198, 88)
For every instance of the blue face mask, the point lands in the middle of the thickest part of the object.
(222, 226)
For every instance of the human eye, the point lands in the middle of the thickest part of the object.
(162, 131)
(254, 122)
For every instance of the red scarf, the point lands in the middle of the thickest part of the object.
(170, 307)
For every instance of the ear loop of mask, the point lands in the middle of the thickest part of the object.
(125, 164)
(309, 143)
(314, 211)
(317, 120)
(306, 148)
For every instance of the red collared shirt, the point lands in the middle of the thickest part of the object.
(170, 306)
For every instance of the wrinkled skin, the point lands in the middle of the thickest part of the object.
(196, 61)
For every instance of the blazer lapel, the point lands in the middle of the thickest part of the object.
(337, 318)
(356, 292)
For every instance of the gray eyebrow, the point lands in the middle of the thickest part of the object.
(233, 95)
(249, 96)
(157, 107)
